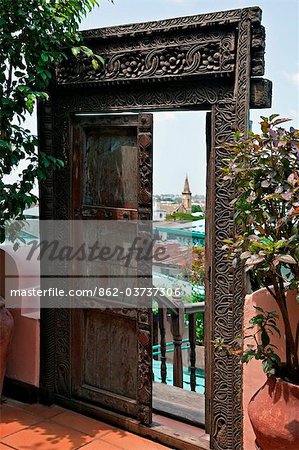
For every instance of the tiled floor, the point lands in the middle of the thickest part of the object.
(36, 427)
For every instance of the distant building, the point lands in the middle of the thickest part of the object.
(166, 206)
(186, 197)
(186, 233)
(186, 205)
(159, 213)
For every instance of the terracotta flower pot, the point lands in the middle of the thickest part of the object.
(6, 327)
(274, 414)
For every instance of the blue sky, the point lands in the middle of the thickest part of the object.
(180, 137)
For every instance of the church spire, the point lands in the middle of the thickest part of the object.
(186, 197)
(186, 186)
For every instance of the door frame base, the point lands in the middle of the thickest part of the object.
(156, 432)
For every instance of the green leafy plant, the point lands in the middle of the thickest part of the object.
(36, 36)
(265, 172)
(262, 349)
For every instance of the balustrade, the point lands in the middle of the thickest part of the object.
(178, 314)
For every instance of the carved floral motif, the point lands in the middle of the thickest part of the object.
(214, 56)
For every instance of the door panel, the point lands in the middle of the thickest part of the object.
(112, 180)
(110, 167)
(116, 356)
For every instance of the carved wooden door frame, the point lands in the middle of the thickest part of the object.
(204, 62)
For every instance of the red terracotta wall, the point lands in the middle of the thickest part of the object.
(23, 357)
(23, 360)
(253, 375)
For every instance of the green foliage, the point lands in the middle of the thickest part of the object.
(197, 208)
(265, 171)
(262, 350)
(179, 216)
(35, 36)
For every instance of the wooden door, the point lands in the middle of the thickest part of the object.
(112, 180)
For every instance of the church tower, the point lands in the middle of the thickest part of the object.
(186, 197)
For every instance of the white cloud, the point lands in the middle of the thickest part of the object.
(167, 116)
(293, 77)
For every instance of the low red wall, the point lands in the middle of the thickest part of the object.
(23, 360)
(253, 375)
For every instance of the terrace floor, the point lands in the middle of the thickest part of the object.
(38, 427)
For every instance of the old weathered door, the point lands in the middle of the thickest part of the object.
(112, 180)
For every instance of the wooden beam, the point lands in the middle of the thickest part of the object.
(260, 93)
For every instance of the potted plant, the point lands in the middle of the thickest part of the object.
(264, 169)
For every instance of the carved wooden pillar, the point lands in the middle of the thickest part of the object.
(47, 315)
(226, 284)
(155, 332)
(177, 328)
(162, 321)
(192, 340)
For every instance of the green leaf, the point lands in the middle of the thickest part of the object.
(268, 367)
(101, 59)
(95, 64)
(273, 116)
(276, 329)
(279, 121)
(60, 162)
(44, 57)
(59, 19)
(87, 51)
(75, 51)
(265, 338)
(258, 308)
